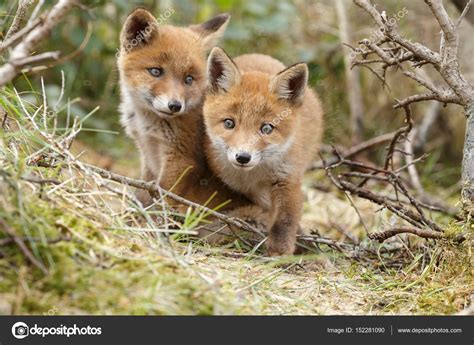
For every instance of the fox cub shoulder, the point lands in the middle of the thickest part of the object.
(264, 127)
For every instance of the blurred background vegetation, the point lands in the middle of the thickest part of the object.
(290, 30)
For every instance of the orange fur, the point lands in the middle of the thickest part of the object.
(251, 91)
(170, 143)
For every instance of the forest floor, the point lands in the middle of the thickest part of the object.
(97, 264)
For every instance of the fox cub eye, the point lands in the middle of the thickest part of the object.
(156, 72)
(229, 123)
(266, 128)
(188, 80)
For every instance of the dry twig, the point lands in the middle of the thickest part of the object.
(383, 235)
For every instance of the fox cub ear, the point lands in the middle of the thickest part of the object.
(139, 29)
(212, 30)
(290, 84)
(222, 73)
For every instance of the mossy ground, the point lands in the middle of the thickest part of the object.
(97, 270)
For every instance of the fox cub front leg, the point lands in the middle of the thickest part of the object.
(143, 195)
(287, 201)
(218, 231)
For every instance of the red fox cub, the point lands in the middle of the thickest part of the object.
(264, 126)
(162, 80)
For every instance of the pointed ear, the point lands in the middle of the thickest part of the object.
(212, 30)
(290, 84)
(139, 29)
(222, 73)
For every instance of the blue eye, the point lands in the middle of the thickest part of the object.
(188, 80)
(266, 128)
(156, 72)
(229, 124)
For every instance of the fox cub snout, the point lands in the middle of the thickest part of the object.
(264, 126)
(162, 67)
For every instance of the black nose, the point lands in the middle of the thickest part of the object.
(243, 157)
(174, 106)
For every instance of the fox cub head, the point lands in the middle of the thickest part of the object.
(162, 67)
(251, 117)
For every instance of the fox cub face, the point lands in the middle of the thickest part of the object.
(162, 67)
(251, 117)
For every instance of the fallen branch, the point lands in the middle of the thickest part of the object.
(384, 235)
(153, 187)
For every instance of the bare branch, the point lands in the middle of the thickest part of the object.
(19, 16)
(447, 97)
(468, 13)
(445, 62)
(388, 176)
(9, 71)
(36, 11)
(438, 10)
(384, 235)
(463, 14)
(26, 61)
(412, 172)
(155, 188)
(399, 133)
(424, 82)
(20, 34)
(355, 150)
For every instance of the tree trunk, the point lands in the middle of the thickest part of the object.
(354, 93)
(468, 162)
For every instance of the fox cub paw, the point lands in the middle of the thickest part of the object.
(144, 197)
(278, 246)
